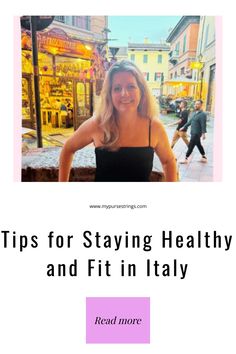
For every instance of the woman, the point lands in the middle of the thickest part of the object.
(124, 130)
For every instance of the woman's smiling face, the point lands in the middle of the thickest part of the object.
(125, 92)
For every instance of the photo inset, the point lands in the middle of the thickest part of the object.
(103, 104)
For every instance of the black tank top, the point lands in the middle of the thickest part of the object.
(127, 164)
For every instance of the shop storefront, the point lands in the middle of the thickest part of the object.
(180, 88)
(68, 70)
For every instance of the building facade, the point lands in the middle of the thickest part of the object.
(152, 60)
(207, 57)
(183, 39)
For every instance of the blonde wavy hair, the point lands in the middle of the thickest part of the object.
(105, 112)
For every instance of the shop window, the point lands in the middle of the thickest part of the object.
(87, 99)
(71, 67)
(80, 95)
(82, 103)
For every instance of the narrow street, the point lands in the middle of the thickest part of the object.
(195, 171)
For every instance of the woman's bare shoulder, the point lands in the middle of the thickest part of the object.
(157, 125)
(90, 126)
(90, 123)
(158, 130)
(87, 133)
(156, 122)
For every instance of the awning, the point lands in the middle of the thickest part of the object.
(179, 81)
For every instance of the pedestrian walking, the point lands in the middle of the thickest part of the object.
(183, 119)
(125, 131)
(198, 131)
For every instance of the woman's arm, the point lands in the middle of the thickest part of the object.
(82, 137)
(165, 153)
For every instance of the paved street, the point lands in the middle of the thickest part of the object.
(195, 171)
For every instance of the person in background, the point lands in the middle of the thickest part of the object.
(124, 130)
(198, 131)
(63, 106)
(70, 113)
(183, 119)
(64, 114)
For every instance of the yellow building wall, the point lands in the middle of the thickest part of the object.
(152, 66)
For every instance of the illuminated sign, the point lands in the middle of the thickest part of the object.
(196, 65)
(56, 41)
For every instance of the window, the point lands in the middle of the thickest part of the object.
(82, 22)
(146, 76)
(60, 18)
(206, 36)
(159, 59)
(184, 44)
(182, 71)
(132, 57)
(171, 76)
(177, 49)
(175, 74)
(145, 58)
(157, 76)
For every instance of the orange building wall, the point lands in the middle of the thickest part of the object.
(193, 36)
(98, 23)
(191, 44)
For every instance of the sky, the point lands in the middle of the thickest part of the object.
(135, 28)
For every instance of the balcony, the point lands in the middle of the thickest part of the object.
(189, 73)
(173, 57)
